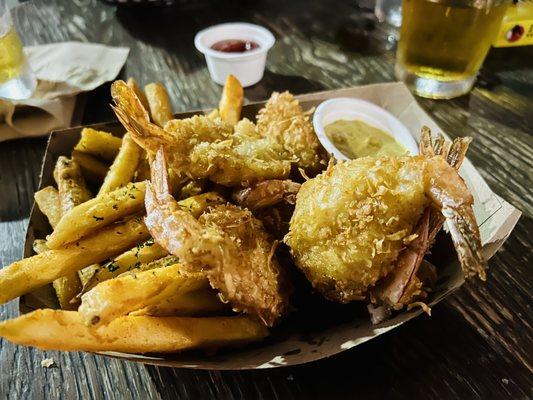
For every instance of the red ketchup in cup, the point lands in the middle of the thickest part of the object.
(234, 46)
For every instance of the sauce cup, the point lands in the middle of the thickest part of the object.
(347, 108)
(248, 67)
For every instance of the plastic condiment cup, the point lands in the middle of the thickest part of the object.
(350, 109)
(248, 67)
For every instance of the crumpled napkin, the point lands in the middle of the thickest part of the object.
(63, 70)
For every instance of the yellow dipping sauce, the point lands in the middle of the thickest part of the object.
(357, 139)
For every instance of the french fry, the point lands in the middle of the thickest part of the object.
(47, 200)
(91, 167)
(132, 83)
(72, 191)
(136, 290)
(159, 103)
(99, 144)
(230, 105)
(65, 330)
(97, 213)
(86, 275)
(71, 186)
(30, 273)
(39, 246)
(134, 258)
(123, 168)
(192, 188)
(196, 205)
(201, 302)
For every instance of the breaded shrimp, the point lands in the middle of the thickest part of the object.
(352, 223)
(225, 241)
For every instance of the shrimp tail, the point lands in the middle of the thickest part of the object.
(466, 239)
(134, 117)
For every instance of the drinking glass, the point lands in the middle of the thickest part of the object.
(17, 81)
(444, 42)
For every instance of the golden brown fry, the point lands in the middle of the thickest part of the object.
(200, 302)
(230, 105)
(30, 273)
(132, 83)
(39, 246)
(159, 103)
(136, 290)
(47, 200)
(123, 168)
(72, 192)
(91, 167)
(71, 185)
(86, 275)
(65, 330)
(196, 205)
(134, 258)
(192, 188)
(99, 144)
(97, 213)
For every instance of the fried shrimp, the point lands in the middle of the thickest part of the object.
(225, 241)
(202, 147)
(283, 120)
(364, 220)
(207, 147)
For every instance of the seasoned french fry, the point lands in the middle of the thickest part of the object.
(196, 205)
(159, 103)
(99, 144)
(230, 105)
(47, 200)
(30, 273)
(136, 290)
(71, 186)
(200, 302)
(72, 191)
(39, 246)
(97, 213)
(132, 83)
(192, 188)
(65, 330)
(86, 275)
(135, 258)
(123, 168)
(92, 168)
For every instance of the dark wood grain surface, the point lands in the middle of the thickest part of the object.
(477, 344)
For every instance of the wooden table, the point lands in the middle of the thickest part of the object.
(477, 344)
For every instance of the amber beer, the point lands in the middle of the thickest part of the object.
(444, 42)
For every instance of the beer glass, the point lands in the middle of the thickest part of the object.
(444, 42)
(17, 81)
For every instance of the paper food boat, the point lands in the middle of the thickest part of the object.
(321, 330)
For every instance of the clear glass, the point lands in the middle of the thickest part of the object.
(17, 81)
(443, 43)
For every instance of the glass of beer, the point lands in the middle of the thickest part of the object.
(444, 42)
(17, 81)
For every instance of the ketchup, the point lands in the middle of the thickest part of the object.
(234, 46)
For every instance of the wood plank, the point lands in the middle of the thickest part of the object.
(475, 345)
